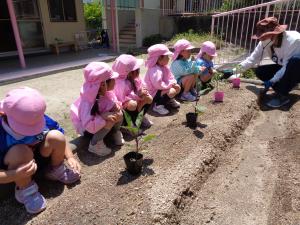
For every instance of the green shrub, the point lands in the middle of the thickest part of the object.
(195, 38)
(249, 74)
(152, 40)
(92, 14)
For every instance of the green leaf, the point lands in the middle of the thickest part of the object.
(128, 118)
(200, 109)
(132, 130)
(149, 137)
(139, 119)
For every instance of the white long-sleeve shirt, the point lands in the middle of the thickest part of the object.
(290, 47)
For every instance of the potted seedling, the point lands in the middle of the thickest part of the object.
(134, 159)
(191, 117)
(218, 95)
(236, 81)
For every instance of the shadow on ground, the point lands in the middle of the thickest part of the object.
(262, 101)
(127, 178)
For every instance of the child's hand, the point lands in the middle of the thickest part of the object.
(143, 92)
(111, 118)
(116, 108)
(74, 164)
(26, 170)
(202, 68)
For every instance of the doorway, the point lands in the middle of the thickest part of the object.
(29, 24)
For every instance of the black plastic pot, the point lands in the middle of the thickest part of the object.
(191, 120)
(134, 162)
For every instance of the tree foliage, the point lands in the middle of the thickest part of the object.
(93, 15)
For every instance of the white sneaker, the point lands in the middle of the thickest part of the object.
(160, 109)
(99, 149)
(118, 138)
(173, 103)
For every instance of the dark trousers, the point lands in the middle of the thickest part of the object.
(134, 114)
(161, 99)
(289, 80)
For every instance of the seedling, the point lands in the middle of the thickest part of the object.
(191, 118)
(134, 159)
(134, 129)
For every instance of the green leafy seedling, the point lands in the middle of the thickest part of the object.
(134, 130)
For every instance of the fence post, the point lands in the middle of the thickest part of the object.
(212, 26)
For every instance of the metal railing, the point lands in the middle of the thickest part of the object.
(235, 28)
(173, 7)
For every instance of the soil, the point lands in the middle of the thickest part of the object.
(239, 166)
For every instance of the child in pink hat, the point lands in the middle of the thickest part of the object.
(159, 79)
(30, 140)
(184, 69)
(97, 110)
(130, 89)
(204, 61)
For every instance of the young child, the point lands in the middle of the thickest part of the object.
(184, 69)
(30, 140)
(130, 90)
(97, 110)
(159, 79)
(204, 60)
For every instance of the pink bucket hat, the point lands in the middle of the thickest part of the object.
(181, 45)
(124, 64)
(96, 72)
(154, 52)
(209, 48)
(24, 108)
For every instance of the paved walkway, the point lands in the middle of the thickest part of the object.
(40, 65)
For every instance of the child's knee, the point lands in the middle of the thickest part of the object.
(55, 139)
(172, 92)
(148, 99)
(131, 105)
(18, 155)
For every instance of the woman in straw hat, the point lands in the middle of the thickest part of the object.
(283, 47)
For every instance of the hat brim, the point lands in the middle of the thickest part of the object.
(25, 129)
(139, 63)
(281, 29)
(168, 53)
(190, 47)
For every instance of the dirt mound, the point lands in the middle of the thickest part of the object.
(175, 162)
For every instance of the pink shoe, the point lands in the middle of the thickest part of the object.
(32, 199)
(62, 174)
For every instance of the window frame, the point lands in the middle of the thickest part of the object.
(63, 13)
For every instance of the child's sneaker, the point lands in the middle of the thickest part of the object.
(173, 103)
(194, 92)
(118, 138)
(32, 199)
(146, 123)
(187, 97)
(99, 149)
(63, 174)
(160, 109)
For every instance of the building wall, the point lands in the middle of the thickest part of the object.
(61, 30)
(147, 23)
(153, 4)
